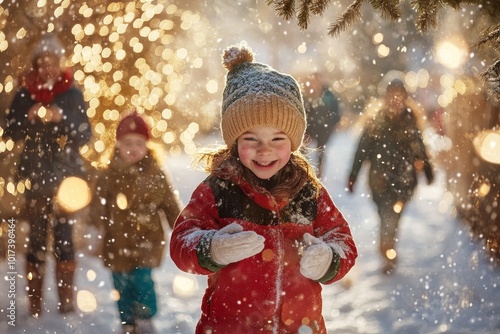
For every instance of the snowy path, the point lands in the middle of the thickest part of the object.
(444, 283)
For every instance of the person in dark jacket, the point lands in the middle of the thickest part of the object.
(48, 113)
(323, 114)
(130, 195)
(261, 226)
(393, 145)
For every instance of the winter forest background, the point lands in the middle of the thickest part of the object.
(164, 58)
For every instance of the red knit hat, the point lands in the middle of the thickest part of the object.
(132, 123)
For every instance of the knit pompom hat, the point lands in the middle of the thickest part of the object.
(133, 123)
(257, 95)
(49, 44)
(396, 84)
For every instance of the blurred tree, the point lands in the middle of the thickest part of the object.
(163, 57)
(491, 75)
(427, 12)
(135, 54)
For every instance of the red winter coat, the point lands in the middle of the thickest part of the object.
(264, 293)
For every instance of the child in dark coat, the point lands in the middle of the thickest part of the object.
(261, 226)
(128, 199)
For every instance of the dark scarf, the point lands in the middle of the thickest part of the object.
(45, 95)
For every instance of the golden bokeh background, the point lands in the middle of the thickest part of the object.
(144, 55)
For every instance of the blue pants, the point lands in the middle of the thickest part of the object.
(137, 295)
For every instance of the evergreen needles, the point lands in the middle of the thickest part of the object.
(427, 18)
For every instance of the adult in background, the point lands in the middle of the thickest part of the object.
(48, 113)
(323, 114)
(393, 145)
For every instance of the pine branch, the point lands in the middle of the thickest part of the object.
(455, 4)
(490, 35)
(389, 9)
(303, 15)
(427, 13)
(491, 7)
(351, 14)
(318, 7)
(491, 77)
(284, 8)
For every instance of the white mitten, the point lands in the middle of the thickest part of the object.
(232, 244)
(316, 258)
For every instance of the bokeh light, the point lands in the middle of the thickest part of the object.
(391, 254)
(304, 329)
(267, 255)
(143, 55)
(487, 146)
(452, 53)
(383, 51)
(378, 38)
(398, 207)
(91, 275)
(86, 301)
(184, 286)
(73, 194)
(114, 295)
(121, 201)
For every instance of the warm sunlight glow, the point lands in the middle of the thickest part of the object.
(73, 194)
(487, 145)
(451, 54)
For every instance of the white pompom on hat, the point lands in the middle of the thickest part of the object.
(257, 95)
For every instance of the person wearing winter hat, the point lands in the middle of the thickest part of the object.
(130, 195)
(392, 144)
(261, 226)
(48, 114)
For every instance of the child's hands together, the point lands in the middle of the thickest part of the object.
(316, 258)
(45, 113)
(232, 244)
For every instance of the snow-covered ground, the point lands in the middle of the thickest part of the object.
(444, 282)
